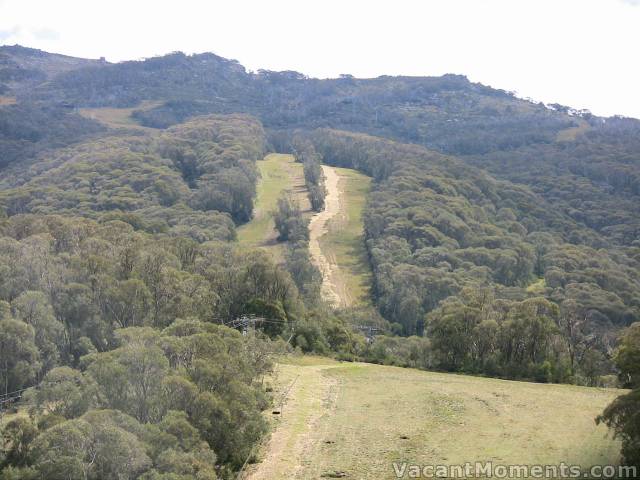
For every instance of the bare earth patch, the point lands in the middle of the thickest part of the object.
(337, 239)
(312, 396)
(319, 227)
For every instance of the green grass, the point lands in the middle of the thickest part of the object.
(308, 361)
(345, 237)
(278, 173)
(448, 419)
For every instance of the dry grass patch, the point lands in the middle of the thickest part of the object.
(118, 117)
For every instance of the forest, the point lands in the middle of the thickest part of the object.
(502, 235)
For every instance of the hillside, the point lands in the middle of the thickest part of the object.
(420, 110)
(170, 227)
(184, 177)
(444, 224)
(526, 199)
(356, 420)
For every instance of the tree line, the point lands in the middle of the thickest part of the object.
(305, 153)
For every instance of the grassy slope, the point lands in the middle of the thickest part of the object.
(278, 173)
(364, 410)
(344, 241)
(118, 117)
(570, 134)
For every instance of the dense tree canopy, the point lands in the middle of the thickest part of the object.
(181, 180)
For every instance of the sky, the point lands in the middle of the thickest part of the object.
(580, 53)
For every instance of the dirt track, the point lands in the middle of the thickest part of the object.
(312, 396)
(317, 228)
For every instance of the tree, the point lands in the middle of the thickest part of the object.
(526, 336)
(627, 357)
(306, 153)
(65, 451)
(304, 273)
(130, 377)
(585, 341)
(66, 392)
(289, 221)
(126, 303)
(89, 449)
(623, 414)
(317, 194)
(17, 437)
(33, 308)
(19, 356)
(231, 191)
(451, 334)
(74, 305)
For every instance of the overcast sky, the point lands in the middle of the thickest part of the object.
(582, 53)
